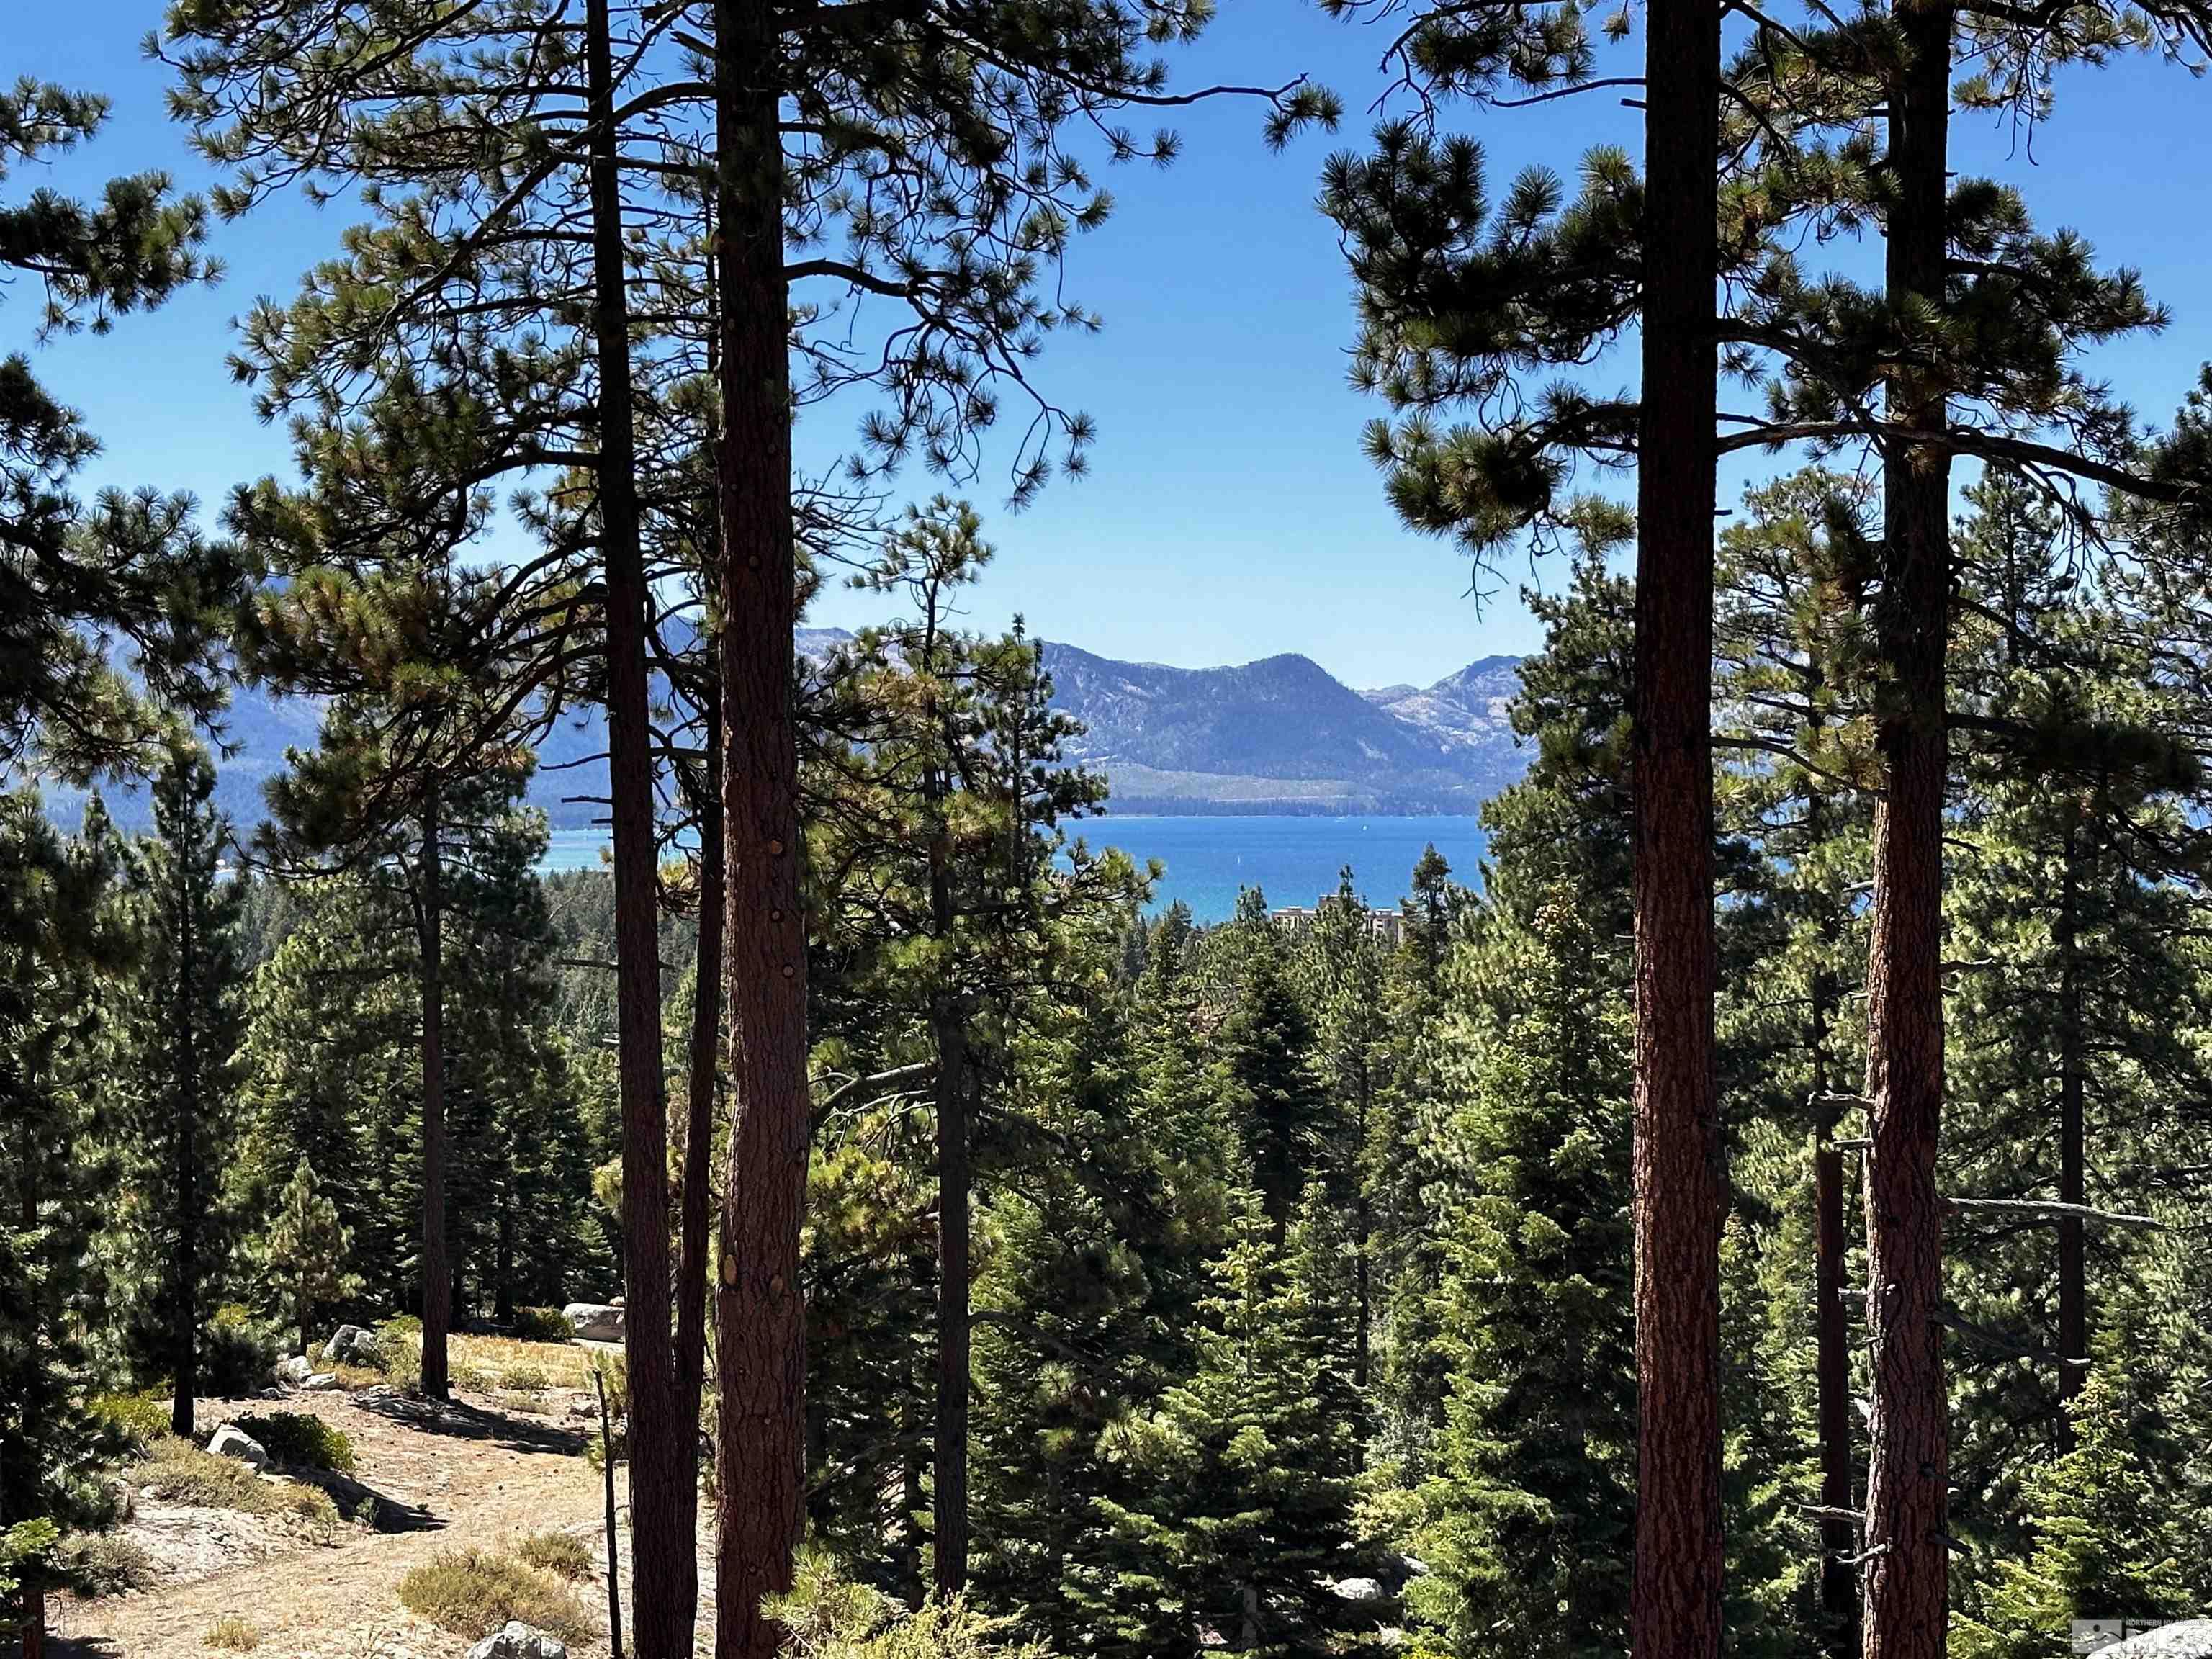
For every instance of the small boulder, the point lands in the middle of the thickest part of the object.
(350, 1344)
(321, 1383)
(1357, 1589)
(594, 1322)
(231, 1441)
(516, 1640)
(295, 1370)
(2190, 1638)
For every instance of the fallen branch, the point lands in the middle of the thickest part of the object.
(2056, 1212)
(2016, 1347)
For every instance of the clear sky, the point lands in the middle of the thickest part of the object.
(1228, 515)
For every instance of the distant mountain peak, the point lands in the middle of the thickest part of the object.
(1279, 734)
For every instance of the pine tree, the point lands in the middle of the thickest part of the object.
(67, 941)
(1351, 1043)
(1530, 1515)
(190, 1023)
(131, 584)
(1268, 1083)
(1242, 1514)
(302, 1255)
(955, 800)
(2111, 1540)
(986, 198)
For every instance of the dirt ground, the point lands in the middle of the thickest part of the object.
(479, 1473)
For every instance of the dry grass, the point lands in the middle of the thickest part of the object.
(181, 1473)
(105, 1564)
(549, 1364)
(472, 1593)
(232, 1634)
(561, 1553)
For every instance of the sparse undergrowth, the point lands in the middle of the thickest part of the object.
(104, 1564)
(232, 1634)
(472, 1593)
(540, 1325)
(181, 1473)
(827, 1617)
(142, 1417)
(561, 1553)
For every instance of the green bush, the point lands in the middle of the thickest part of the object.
(541, 1325)
(472, 1593)
(399, 1351)
(561, 1553)
(301, 1440)
(831, 1618)
(526, 1378)
(142, 1417)
(103, 1564)
(237, 1353)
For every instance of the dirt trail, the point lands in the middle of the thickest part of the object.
(470, 1475)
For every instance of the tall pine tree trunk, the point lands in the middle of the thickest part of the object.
(1832, 1367)
(664, 1468)
(1839, 1588)
(760, 1313)
(437, 1277)
(1908, 1454)
(949, 1033)
(1675, 1601)
(184, 1331)
(2073, 1152)
(705, 1057)
(949, 1505)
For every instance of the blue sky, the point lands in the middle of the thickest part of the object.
(1228, 515)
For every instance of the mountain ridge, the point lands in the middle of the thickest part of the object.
(1278, 735)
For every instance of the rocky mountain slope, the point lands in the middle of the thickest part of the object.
(1279, 735)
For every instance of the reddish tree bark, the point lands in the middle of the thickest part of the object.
(1675, 1600)
(664, 1468)
(437, 1275)
(706, 1054)
(184, 1330)
(1839, 1539)
(2073, 1150)
(1907, 1563)
(760, 1313)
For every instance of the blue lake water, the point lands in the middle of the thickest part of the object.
(1293, 860)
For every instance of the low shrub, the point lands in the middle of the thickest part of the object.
(301, 1440)
(540, 1325)
(103, 1564)
(141, 1418)
(473, 1379)
(471, 1593)
(561, 1553)
(526, 1378)
(828, 1617)
(399, 1351)
(232, 1634)
(237, 1352)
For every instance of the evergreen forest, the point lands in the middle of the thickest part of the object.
(1763, 1207)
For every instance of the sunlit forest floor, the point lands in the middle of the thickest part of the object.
(496, 1466)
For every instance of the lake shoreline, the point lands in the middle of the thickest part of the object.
(1293, 858)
